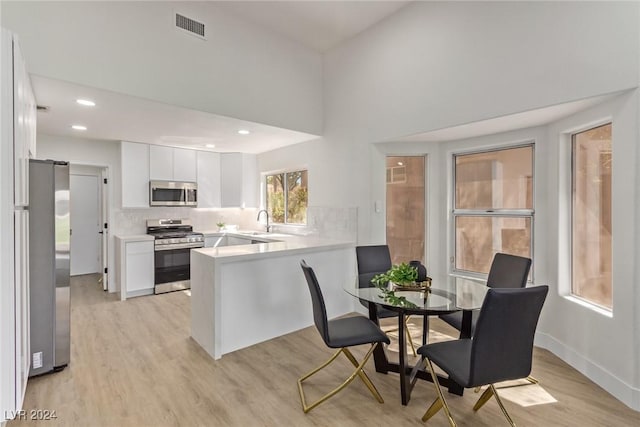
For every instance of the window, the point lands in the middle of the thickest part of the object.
(493, 206)
(406, 208)
(591, 215)
(287, 196)
(396, 174)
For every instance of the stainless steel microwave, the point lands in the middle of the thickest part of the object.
(173, 193)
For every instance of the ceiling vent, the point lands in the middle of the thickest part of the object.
(42, 109)
(189, 25)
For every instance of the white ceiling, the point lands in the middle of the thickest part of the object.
(126, 118)
(523, 120)
(318, 25)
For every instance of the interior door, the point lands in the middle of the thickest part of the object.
(86, 240)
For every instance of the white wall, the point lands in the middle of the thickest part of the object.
(240, 71)
(437, 64)
(603, 347)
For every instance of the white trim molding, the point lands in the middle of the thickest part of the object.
(617, 387)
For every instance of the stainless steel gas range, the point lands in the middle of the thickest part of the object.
(174, 239)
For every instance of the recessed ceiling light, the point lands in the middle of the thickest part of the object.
(86, 102)
(244, 132)
(210, 145)
(78, 127)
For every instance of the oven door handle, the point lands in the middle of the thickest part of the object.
(179, 246)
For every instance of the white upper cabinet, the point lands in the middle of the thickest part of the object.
(160, 163)
(172, 164)
(24, 123)
(208, 179)
(184, 165)
(135, 175)
(228, 180)
(238, 180)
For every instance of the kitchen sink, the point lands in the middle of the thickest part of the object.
(262, 234)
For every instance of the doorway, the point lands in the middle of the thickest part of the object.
(88, 205)
(405, 201)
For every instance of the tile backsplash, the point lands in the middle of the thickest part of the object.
(326, 222)
(333, 223)
(133, 221)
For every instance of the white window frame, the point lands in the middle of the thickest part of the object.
(498, 213)
(286, 195)
(570, 142)
(564, 208)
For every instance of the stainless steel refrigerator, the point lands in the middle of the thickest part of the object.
(49, 239)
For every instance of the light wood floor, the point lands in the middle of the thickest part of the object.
(134, 364)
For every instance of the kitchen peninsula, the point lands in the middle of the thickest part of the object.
(242, 295)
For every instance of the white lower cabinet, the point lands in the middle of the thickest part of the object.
(215, 241)
(135, 267)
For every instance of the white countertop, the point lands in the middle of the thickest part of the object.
(247, 234)
(282, 244)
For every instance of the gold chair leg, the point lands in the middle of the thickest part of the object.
(483, 399)
(363, 376)
(530, 379)
(306, 408)
(408, 333)
(491, 391)
(435, 407)
(504, 410)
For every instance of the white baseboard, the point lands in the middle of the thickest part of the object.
(622, 391)
(140, 293)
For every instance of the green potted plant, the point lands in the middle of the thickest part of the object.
(220, 226)
(402, 275)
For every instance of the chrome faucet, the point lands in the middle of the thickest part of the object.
(267, 213)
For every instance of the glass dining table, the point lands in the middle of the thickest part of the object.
(443, 296)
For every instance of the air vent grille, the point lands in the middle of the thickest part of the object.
(188, 24)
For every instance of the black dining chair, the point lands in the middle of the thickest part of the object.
(500, 350)
(373, 260)
(340, 334)
(507, 271)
